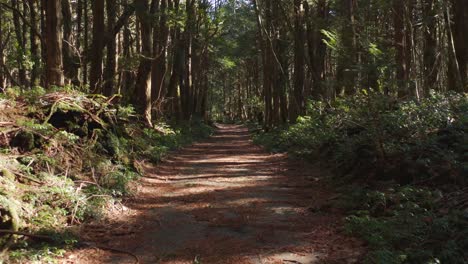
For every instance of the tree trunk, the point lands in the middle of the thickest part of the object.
(458, 39)
(159, 71)
(70, 58)
(177, 67)
(430, 71)
(97, 46)
(296, 105)
(18, 29)
(143, 82)
(111, 58)
(347, 60)
(36, 58)
(400, 47)
(2, 55)
(54, 69)
(85, 43)
(43, 43)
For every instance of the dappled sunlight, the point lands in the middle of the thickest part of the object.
(228, 207)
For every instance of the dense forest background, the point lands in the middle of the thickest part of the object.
(243, 59)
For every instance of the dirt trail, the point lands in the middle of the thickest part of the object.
(225, 200)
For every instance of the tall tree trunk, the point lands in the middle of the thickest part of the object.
(70, 58)
(36, 58)
(85, 59)
(266, 61)
(159, 71)
(400, 47)
(317, 49)
(458, 39)
(143, 83)
(54, 69)
(430, 45)
(126, 75)
(176, 67)
(186, 89)
(409, 45)
(79, 36)
(346, 76)
(2, 55)
(18, 29)
(269, 69)
(97, 53)
(111, 58)
(296, 106)
(43, 43)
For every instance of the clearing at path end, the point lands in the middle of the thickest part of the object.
(225, 200)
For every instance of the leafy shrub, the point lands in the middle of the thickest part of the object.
(373, 140)
(78, 152)
(375, 136)
(405, 225)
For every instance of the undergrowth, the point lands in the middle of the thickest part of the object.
(67, 157)
(403, 168)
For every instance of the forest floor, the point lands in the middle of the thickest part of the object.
(224, 200)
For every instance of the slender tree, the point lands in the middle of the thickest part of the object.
(97, 46)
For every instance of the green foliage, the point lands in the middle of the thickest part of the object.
(405, 225)
(78, 152)
(374, 141)
(375, 136)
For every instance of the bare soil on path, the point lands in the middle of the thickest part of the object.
(224, 200)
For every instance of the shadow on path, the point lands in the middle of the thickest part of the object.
(225, 200)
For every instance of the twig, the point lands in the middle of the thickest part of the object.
(27, 178)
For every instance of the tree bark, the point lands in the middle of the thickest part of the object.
(458, 39)
(85, 42)
(71, 63)
(400, 44)
(430, 70)
(54, 69)
(347, 61)
(111, 58)
(18, 29)
(97, 53)
(296, 106)
(143, 83)
(159, 71)
(36, 58)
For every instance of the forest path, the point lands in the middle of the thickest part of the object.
(225, 200)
